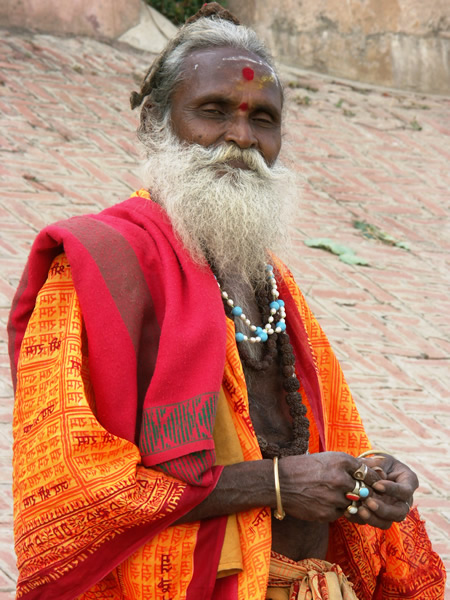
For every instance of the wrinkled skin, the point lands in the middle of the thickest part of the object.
(326, 479)
(214, 104)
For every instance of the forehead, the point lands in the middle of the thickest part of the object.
(226, 70)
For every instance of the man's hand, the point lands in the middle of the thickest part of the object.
(391, 497)
(313, 486)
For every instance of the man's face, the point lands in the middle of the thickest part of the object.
(227, 95)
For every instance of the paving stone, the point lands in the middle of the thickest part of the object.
(68, 147)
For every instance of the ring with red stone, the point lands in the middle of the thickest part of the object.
(354, 494)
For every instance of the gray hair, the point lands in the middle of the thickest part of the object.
(168, 69)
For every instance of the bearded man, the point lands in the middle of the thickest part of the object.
(182, 427)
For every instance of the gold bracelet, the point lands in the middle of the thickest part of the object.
(278, 513)
(370, 452)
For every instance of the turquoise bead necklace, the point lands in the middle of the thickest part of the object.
(276, 321)
(277, 348)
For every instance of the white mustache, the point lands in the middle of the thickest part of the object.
(225, 153)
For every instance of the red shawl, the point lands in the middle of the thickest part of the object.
(156, 332)
(137, 285)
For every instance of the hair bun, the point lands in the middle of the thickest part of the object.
(213, 9)
(135, 99)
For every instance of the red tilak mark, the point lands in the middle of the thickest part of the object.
(248, 73)
(243, 106)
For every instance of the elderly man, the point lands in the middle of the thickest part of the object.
(182, 427)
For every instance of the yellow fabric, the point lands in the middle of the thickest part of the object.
(226, 441)
(230, 562)
(228, 452)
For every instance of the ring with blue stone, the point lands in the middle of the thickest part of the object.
(363, 491)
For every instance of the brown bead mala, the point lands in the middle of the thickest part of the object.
(279, 345)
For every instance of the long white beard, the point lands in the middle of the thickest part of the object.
(227, 216)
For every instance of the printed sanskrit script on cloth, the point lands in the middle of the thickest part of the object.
(97, 488)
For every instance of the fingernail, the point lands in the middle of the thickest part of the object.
(379, 487)
(372, 504)
(364, 513)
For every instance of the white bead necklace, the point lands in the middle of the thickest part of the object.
(277, 311)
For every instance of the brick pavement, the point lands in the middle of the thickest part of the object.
(67, 148)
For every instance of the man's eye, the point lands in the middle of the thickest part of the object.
(263, 119)
(212, 111)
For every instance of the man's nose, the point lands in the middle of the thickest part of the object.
(241, 133)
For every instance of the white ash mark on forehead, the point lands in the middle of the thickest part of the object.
(256, 62)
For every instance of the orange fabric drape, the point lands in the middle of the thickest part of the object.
(70, 473)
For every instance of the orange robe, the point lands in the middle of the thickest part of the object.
(76, 485)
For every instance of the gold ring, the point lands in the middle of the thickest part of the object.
(361, 472)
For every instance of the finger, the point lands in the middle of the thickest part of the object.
(361, 470)
(400, 491)
(355, 519)
(405, 476)
(380, 472)
(400, 473)
(386, 511)
(376, 465)
(366, 517)
(373, 476)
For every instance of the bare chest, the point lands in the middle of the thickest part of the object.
(268, 409)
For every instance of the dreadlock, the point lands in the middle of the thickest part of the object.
(211, 26)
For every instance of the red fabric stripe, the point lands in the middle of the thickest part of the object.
(206, 558)
(226, 588)
(15, 337)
